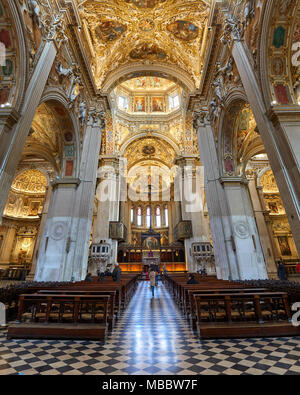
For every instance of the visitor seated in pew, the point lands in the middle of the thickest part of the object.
(192, 279)
(107, 273)
(88, 278)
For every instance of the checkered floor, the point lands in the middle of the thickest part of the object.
(152, 337)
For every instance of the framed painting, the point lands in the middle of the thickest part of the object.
(157, 104)
(140, 104)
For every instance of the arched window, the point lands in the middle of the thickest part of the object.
(158, 217)
(139, 216)
(148, 217)
(131, 214)
(166, 215)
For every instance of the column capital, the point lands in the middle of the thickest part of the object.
(8, 117)
(201, 118)
(96, 118)
(234, 180)
(56, 30)
(65, 183)
(234, 29)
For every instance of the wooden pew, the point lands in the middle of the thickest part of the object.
(62, 316)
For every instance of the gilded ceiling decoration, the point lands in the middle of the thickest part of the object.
(145, 3)
(184, 30)
(149, 84)
(30, 181)
(123, 32)
(110, 30)
(149, 149)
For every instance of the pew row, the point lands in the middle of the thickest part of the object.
(222, 309)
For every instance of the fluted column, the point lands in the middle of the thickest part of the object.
(266, 241)
(59, 241)
(250, 257)
(8, 244)
(87, 189)
(40, 234)
(220, 224)
(108, 208)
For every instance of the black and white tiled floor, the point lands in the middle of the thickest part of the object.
(152, 337)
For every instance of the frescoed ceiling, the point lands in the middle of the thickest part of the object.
(154, 31)
(148, 84)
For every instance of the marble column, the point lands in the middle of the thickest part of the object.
(250, 258)
(279, 129)
(86, 191)
(220, 224)
(59, 241)
(194, 214)
(108, 208)
(266, 242)
(40, 234)
(8, 244)
(14, 134)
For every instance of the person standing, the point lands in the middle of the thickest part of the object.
(281, 271)
(116, 274)
(152, 276)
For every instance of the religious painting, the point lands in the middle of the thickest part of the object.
(136, 239)
(284, 246)
(278, 38)
(164, 239)
(282, 94)
(145, 3)
(110, 30)
(69, 168)
(277, 66)
(147, 51)
(5, 38)
(151, 242)
(8, 69)
(241, 136)
(4, 95)
(140, 104)
(157, 104)
(69, 150)
(183, 30)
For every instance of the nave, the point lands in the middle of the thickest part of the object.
(152, 337)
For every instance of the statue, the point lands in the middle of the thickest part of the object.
(82, 112)
(61, 71)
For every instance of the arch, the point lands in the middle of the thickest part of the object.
(18, 54)
(278, 28)
(133, 70)
(161, 136)
(55, 98)
(238, 138)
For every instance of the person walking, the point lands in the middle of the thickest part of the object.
(152, 276)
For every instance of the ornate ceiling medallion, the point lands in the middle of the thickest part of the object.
(148, 150)
(183, 30)
(146, 25)
(110, 30)
(145, 3)
(147, 51)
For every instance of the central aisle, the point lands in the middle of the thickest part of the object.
(152, 337)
